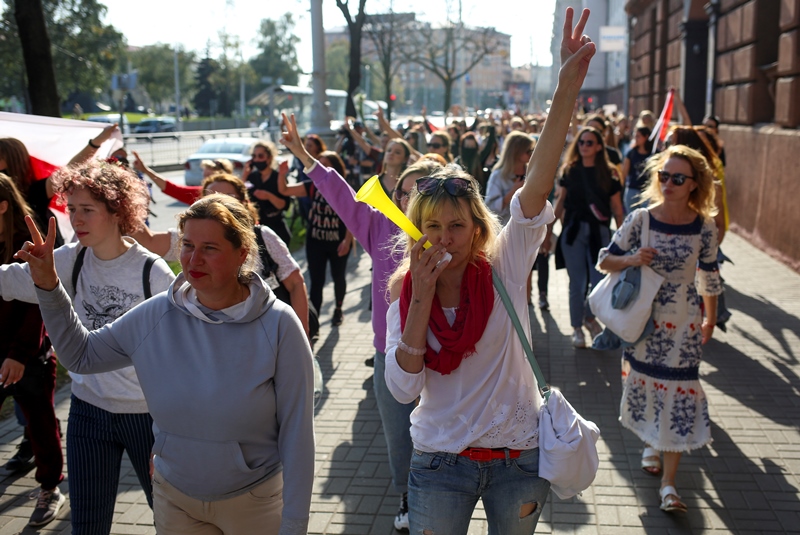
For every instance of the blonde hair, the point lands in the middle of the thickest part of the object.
(424, 167)
(237, 224)
(223, 165)
(237, 184)
(701, 200)
(515, 144)
(423, 207)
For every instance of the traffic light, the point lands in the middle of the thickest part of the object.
(392, 97)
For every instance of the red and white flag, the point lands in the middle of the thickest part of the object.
(662, 125)
(52, 142)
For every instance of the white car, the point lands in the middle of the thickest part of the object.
(111, 118)
(235, 149)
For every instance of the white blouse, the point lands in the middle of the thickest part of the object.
(491, 400)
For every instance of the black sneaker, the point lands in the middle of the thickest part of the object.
(370, 362)
(338, 317)
(23, 460)
(401, 520)
(47, 507)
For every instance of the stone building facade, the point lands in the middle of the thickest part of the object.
(738, 60)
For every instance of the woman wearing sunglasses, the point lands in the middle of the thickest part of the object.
(440, 144)
(451, 342)
(588, 195)
(374, 231)
(663, 402)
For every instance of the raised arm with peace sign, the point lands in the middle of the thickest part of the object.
(39, 255)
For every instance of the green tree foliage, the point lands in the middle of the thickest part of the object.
(278, 56)
(206, 95)
(156, 67)
(86, 52)
(337, 62)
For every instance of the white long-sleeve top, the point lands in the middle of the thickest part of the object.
(491, 400)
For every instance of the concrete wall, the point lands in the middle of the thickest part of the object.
(763, 186)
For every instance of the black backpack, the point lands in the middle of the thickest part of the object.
(270, 267)
(148, 266)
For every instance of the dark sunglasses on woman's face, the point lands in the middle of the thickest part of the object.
(435, 145)
(677, 178)
(456, 187)
(586, 142)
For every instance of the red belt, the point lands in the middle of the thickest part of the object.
(487, 454)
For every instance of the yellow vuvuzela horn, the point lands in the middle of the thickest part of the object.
(372, 193)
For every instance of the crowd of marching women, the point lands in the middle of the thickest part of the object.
(459, 407)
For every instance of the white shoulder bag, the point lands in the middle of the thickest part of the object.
(630, 315)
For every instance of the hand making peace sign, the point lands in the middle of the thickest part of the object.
(39, 255)
(576, 51)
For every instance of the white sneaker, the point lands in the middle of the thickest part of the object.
(593, 327)
(578, 340)
(401, 520)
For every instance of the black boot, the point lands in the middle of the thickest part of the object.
(23, 460)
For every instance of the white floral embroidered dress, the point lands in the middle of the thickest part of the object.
(662, 399)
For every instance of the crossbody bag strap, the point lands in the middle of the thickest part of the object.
(644, 240)
(76, 269)
(537, 371)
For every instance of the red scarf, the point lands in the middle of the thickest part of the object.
(474, 306)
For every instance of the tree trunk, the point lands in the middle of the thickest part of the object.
(38, 57)
(448, 94)
(387, 76)
(354, 77)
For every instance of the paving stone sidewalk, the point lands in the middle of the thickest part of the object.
(745, 482)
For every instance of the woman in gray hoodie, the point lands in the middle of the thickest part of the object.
(227, 373)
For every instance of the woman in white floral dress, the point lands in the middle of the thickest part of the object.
(662, 399)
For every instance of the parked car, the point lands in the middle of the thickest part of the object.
(111, 118)
(155, 125)
(235, 149)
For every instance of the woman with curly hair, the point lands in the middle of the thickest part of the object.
(105, 274)
(663, 402)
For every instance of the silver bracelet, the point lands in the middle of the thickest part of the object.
(416, 351)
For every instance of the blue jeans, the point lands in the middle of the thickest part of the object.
(443, 489)
(582, 274)
(630, 198)
(396, 421)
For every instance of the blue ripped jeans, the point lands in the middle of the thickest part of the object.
(443, 489)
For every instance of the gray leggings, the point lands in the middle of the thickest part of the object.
(582, 274)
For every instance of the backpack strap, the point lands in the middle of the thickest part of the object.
(76, 269)
(148, 267)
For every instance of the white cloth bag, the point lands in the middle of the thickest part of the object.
(568, 456)
(628, 323)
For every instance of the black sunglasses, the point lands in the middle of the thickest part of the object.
(677, 178)
(456, 187)
(587, 142)
(435, 145)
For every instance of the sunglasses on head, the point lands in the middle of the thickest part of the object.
(454, 186)
(435, 145)
(586, 142)
(677, 178)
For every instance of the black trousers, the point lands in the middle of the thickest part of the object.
(319, 254)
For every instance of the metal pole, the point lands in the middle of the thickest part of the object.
(178, 123)
(320, 117)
